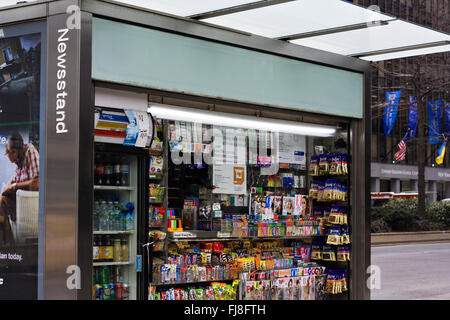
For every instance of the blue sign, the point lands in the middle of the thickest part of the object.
(132, 129)
(412, 118)
(390, 112)
(434, 122)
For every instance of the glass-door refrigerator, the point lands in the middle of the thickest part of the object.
(120, 228)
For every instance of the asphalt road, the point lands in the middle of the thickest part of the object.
(413, 272)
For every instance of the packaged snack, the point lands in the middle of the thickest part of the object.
(324, 164)
(328, 253)
(316, 251)
(344, 158)
(321, 194)
(334, 236)
(314, 166)
(336, 164)
(313, 189)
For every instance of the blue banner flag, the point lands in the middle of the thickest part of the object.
(390, 112)
(434, 122)
(412, 118)
(447, 120)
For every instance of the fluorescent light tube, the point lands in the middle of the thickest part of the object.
(239, 121)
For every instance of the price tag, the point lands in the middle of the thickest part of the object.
(222, 234)
(184, 234)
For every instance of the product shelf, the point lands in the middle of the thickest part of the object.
(114, 188)
(113, 263)
(112, 232)
(181, 284)
(216, 236)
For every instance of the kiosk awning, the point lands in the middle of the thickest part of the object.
(336, 26)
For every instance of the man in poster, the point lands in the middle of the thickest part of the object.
(26, 177)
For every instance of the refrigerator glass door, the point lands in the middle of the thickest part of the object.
(115, 226)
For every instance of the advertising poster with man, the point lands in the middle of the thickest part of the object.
(20, 72)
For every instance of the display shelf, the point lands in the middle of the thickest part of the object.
(216, 236)
(181, 284)
(114, 188)
(112, 263)
(112, 232)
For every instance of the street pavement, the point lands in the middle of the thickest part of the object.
(413, 272)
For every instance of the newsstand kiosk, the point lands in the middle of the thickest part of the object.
(179, 160)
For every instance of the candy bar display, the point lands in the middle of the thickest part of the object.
(216, 291)
(234, 211)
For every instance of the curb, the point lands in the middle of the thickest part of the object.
(403, 238)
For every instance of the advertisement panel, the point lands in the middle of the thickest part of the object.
(20, 108)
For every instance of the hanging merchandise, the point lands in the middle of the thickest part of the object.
(271, 232)
(434, 122)
(390, 112)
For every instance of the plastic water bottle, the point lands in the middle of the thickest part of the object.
(103, 216)
(117, 216)
(111, 215)
(96, 215)
(129, 221)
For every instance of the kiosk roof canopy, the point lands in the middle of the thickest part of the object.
(336, 26)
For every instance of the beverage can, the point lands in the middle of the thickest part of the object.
(98, 292)
(106, 292)
(112, 288)
(105, 275)
(125, 292)
(119, 291)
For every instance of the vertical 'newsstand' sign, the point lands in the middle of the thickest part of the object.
(63, 148)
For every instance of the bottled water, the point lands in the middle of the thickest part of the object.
(117, 216)
(96, 215)
(111, 215)
(103, 216)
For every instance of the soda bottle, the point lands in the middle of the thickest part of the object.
(112, 289)
(124, 175)
(101, 249)
(108, 175)
(117, 179)
(109, 250)
(125, 291)
(100, 174)
(124, 250)
(117, 251)
(117, 275)
(96, 250)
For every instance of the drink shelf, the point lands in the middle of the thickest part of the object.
(113, 232)
(113, 263)
(114, 188)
